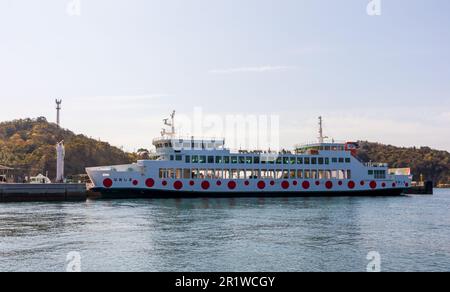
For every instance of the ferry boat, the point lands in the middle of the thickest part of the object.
(193, 168)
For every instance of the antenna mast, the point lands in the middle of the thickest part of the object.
(58, 110)
(171, 124)
(321, 137)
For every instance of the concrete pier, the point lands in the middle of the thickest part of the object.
(42, 192)
(425, 189)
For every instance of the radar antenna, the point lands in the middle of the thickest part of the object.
(170, 122)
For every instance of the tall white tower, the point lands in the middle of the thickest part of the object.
(58, 110)
(60, 154)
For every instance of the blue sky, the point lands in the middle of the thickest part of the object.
(121, 66)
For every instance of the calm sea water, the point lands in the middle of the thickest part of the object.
(304, 234)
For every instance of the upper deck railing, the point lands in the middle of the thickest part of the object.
(375, 164)
(189, 139)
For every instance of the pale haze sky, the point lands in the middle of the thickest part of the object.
(123, 65)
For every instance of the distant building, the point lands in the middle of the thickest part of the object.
(6, 174)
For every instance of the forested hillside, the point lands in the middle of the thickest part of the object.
(29, 145)
(432, 164)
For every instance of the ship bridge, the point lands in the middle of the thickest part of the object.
(169, 144)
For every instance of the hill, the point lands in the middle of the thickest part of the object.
(29, 145)
(432, 164)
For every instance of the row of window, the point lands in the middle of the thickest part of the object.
(253, 174)
(258, 160)
(378, 174)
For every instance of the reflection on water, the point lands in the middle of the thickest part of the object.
(266, 234)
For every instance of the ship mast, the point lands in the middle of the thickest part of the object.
(170, 124)
(321, 136)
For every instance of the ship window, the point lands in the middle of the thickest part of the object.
(256, 160)
(249, 160)
(226, 174)
(292, 174)
(202, 159)
(241, 160)
(234, 159)
(186, 173)
(380, 174)
(300, 160)
(285, 174)
(299, 173)
(334, 160)
(195, 159)
(226, 159)
(171, 157)
(327, 160)
(321, 160)
(307, 173)
(370, 172)
(349, 174)
(313, 160)
(279, 160)
(187, 159)
(179, 158)
(219, 159)
(293, 160)
(285, 160)
(210, 159)
(334, 174)
(327, 148)
(347, 160)
(307, 160)
(341, 160)
(279, 174)
(321, 174)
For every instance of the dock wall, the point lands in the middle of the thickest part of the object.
(42, 192)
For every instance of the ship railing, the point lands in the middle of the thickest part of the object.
(316, 143)
(375, 164)
(189, 139)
